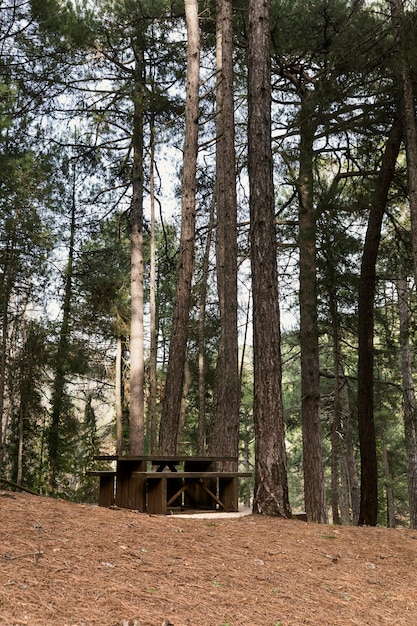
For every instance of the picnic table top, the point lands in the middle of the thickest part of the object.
(173, 475)
(179, 458)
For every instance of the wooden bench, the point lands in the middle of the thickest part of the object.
(106, 486)
(217, 490)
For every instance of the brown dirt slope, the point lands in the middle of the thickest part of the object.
(64, 564)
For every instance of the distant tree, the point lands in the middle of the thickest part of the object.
(337, 264)
(26, 243)
(104, 307)
(30, 185)
(60, 403)
(27, 379)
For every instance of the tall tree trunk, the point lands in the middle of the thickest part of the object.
(409, 397)
(338, 501)
(314, 492)
(185, 390)
(349, 483)
(225, 426)
(409, 400)
(137, 366)
(410, 130)
(389, 493)
(7, 282)
(335, 466)
(3, 366)
(171, 411)
(202, 365)
(366, 425)
(22, 413)
(411, 149)
(118, 397)
(61, 361)
(344, 472)
(349, 459)
(271, 490)
(153, 353)
(30, 359)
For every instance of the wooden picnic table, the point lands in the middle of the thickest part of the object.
(159, 483)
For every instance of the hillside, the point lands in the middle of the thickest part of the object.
(65, 564)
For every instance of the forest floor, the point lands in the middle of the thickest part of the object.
(66, 564)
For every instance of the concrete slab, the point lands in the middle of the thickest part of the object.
(211, 514)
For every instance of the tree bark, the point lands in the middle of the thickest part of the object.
(389, 493)
(344, 471)
(271, 490)
(118, 396)
(410, 125)
(409, 400)
(153, 353)
(225, 425)
(171, 411)
(366, 425)
(54, 436)
(6, 286)
(202, 361)
(409, 397)
(137, 365)
(314, 493)
(349, 483)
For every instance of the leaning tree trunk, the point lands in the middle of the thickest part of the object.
(271, 490)
(171, 410)
(225, 426)
(314, 493)
(366, 425)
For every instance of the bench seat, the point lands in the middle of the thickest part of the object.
(106, 486)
